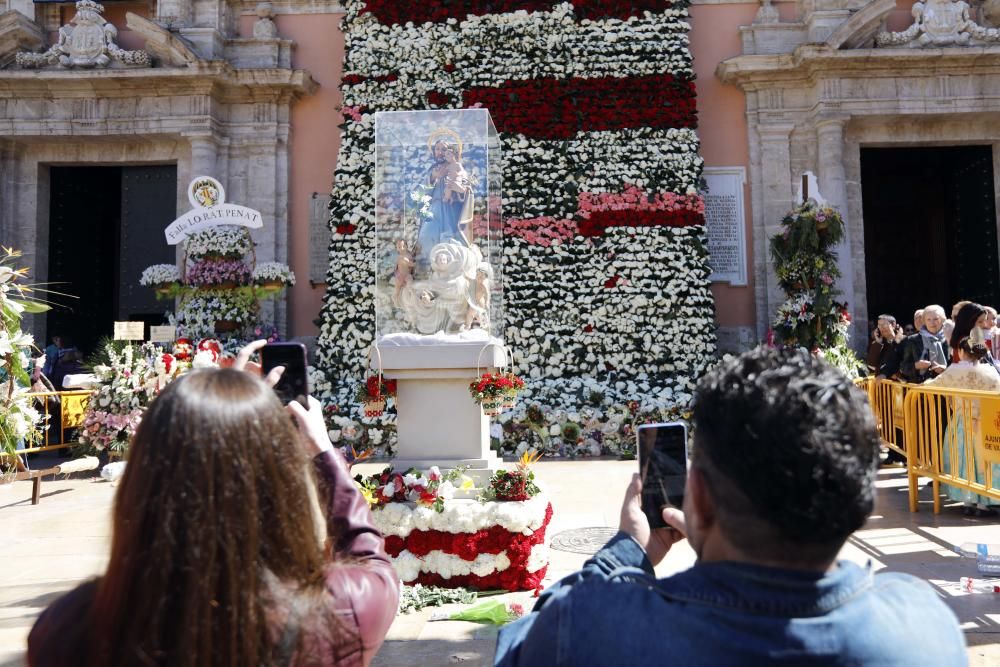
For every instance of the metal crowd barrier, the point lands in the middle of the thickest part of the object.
(72, 405)
(952, 436)
(887, 398)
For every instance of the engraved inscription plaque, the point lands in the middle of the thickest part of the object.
(725, 224)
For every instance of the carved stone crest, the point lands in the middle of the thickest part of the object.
(87, 41)
(939, 23)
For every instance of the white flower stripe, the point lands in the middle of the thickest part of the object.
(409, 567)
(462, 516)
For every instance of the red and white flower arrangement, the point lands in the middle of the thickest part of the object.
(494, 390)
(373, 394)
(497, 541)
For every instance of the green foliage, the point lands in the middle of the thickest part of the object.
(806, 267)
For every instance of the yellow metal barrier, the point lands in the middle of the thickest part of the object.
(944, 434)
(72, 405)
(886, 398)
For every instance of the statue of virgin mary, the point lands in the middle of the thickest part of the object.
(452, 199)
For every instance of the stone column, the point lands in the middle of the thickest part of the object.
(204, 154)
(775, 185)
(833, 186)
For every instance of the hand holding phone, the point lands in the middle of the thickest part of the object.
(293, 385)
(663, 459)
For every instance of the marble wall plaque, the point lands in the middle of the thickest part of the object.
(726, 225)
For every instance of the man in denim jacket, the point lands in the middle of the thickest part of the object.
(783, 467)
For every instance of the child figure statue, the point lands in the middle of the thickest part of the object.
(479, 304)
(404, 268)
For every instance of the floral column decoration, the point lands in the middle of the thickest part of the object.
(806, 266)
(606, 286)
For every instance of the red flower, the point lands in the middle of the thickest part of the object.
(438, 99)
(346, 229)
(394, 545)
(420, 543)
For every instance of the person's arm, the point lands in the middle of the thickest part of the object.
(362, 571)
(874, 353)
(533, 639)
(909, 357)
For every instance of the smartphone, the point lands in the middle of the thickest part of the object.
(662, 451)
(294, 384)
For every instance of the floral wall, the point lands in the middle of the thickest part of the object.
(608, 306)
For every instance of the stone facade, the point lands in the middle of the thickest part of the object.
(819, 90)
(211, 103)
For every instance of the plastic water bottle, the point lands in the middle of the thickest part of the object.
(987, 556)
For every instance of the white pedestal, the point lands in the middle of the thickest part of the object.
(437, 421)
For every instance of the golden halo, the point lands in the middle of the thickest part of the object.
(444, 132)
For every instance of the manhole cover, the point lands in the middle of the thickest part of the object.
(582, 540)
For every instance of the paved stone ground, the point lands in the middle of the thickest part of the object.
(49, 548)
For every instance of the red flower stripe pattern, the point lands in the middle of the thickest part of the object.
(559, 108)
(467, 546)
(396, 12)
(510, 579)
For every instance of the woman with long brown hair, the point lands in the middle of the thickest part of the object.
(217, 555)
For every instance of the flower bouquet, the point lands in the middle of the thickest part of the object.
(218, 273)
(373, 392)
(517, 484)
(219, 243)
(273, 276)
(516, 386)
(430, 488)
(164, 278)
(490, 391)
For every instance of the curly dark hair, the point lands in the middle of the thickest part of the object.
(789, 449)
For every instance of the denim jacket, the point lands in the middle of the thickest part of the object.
(615, 612)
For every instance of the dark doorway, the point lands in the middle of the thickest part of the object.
(105, 226)
(930, 228)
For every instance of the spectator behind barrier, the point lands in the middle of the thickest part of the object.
(783, 469)
(970, 316)
(923, 355)
(216, 557)
(884, 345)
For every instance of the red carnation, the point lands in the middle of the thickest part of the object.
(394, 545)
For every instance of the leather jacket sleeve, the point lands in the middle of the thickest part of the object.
(364, 575)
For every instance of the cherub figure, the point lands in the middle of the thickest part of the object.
(479, 304)
(404, 268)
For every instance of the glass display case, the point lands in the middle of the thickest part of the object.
(438, 233)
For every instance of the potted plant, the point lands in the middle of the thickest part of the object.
(510, 395)
(489, 391)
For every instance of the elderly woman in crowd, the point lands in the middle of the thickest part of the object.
(962, 446)
(925, 354)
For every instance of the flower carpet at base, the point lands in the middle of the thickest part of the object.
(478, 545)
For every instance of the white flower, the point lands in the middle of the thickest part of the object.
(273, 271)
(158, 274)
(204, 359)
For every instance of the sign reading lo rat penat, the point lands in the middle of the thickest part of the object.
(208, 199)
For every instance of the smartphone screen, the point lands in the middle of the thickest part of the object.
(293, 385)
(662, 454)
